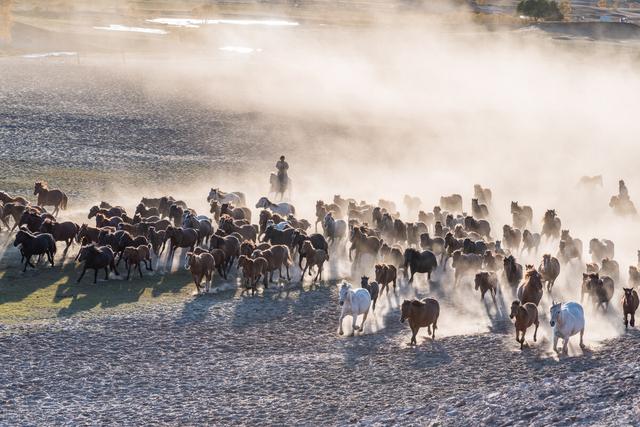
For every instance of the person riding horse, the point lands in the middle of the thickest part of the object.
(283, 178)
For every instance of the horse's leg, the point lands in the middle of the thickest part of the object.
(26, 262)
(128, 270)
(633, 320)
(303, 271)
(288, 276)
(565, 346)
(354, 324)
(535, 332)
(414, 332)
(82, 274)
(342, 316)
(95, 276)
(624, 320)
(364, 317)
(139, 269)
(106, 273)
(113, 268)
(555, 343)
(582, 346)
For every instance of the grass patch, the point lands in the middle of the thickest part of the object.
(53, 292)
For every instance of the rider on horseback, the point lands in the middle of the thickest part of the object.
(282, 167)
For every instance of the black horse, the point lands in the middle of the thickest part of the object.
(419, 262)
(32, 244)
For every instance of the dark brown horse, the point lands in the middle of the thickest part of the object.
(46, 197)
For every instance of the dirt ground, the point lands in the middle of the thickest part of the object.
(148, 351)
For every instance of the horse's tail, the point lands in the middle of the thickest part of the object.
(63, 204)
(327, 256)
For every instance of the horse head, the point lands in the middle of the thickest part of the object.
(554, 312)
(345, 291)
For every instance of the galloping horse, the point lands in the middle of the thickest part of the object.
(279, 188)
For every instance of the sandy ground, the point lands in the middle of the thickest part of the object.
(276, 359)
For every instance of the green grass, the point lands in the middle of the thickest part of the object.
(53, 292)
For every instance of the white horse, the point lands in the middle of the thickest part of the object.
(566, 320)
(282, 209)
(334, 229)
(354, 303)
(236, 198)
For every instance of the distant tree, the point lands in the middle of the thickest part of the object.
(540, 9)
(566, 9)
(603, 4)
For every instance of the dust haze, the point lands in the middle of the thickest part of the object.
(418, 106)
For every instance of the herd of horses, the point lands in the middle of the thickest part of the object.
(226, 240)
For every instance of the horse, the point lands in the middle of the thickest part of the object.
(567, 319)
(46, 197)
(483, 195)
(201, 266)
(61, 231)
(6, 198)
(419, 262)
(600, 288)
(386, 274)
(601, 248)
(282, 209)
(452, 203)
(374, 290)
(363, 244)
(353, 303)
(276, 187)
(531, 289)
(525, 315)
(236, 198)
(521, 216)
(512, 271)
(420, 314)
(549, 270)
(97, 258)
(479, 210)
(530, 241)
(314, 257)
(32, 244)
(486, 281)
(512, 237)
(551, 224)
(334, 228)
(629, 306)
(179, 237)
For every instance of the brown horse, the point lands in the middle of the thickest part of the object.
(61, 231)
(5, 198)
(46, 197)
(531, 289)
(314, 257)
(420, 314)
(386, 274)
(201, 266)
(525, 315)
(180, 238)
(629, 306)
(362, 243)
(252, 269)
(487, 281)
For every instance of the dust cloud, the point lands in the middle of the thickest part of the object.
(421, 107)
